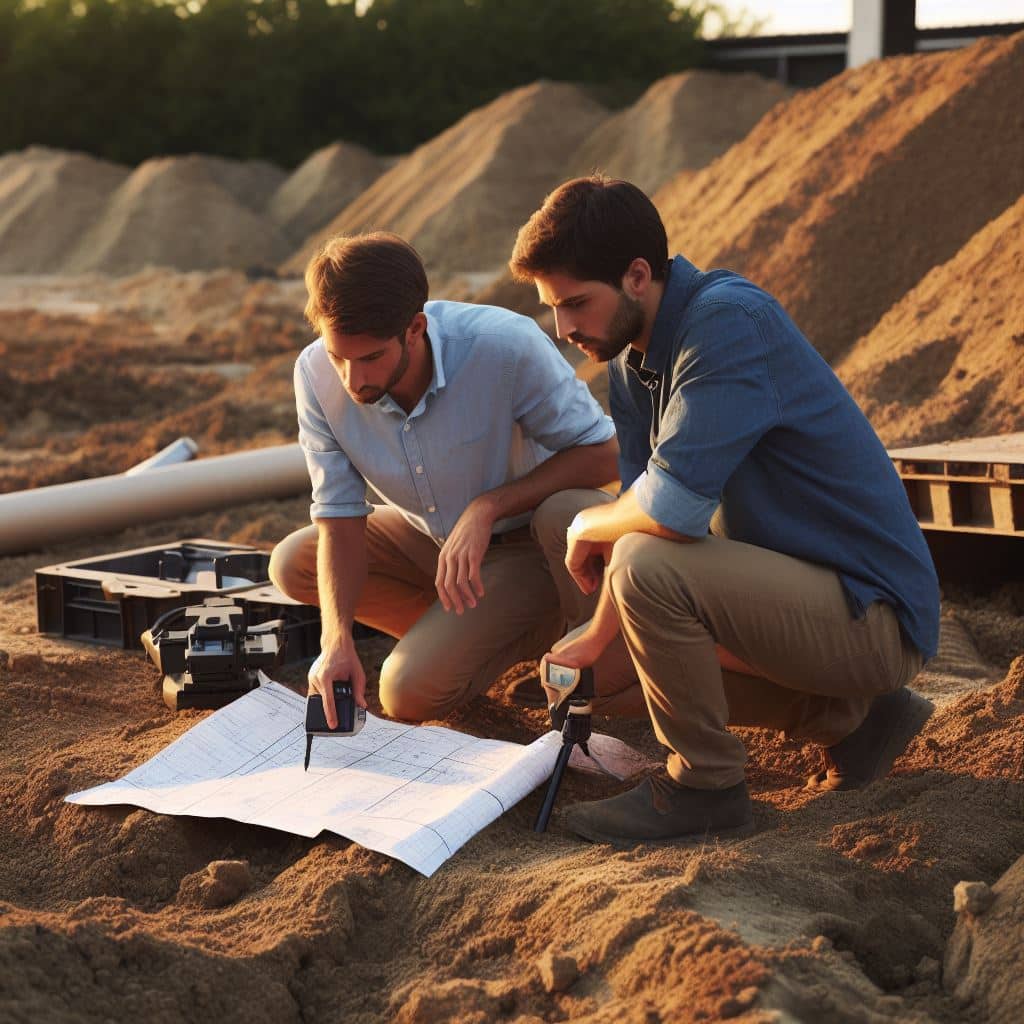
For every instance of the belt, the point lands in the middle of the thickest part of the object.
(519, 535)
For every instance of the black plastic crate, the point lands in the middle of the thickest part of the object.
(112, 599)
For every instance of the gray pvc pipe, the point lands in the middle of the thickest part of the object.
(182, 450)
(30, 519)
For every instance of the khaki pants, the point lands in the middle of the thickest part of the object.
(819, 668)
(442, 659)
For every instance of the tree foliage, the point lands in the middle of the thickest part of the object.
(128, 79)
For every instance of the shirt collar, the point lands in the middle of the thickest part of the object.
(437, 347)
(680, 284)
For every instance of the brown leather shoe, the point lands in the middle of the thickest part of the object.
(660, 809)
(868, 753)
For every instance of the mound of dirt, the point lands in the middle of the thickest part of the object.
(461, 198)
(48, 201)
(321, 187)
(681, 122)
(252, 182)
(841, 200)
(947, 361)
(978, 971)
(178, 212)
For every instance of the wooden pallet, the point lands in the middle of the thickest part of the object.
(971, 486)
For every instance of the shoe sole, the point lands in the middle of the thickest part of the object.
(693, 839)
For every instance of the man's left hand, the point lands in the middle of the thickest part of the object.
(458, 581)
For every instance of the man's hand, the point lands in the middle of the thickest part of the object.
(337, 661)
(585, 561)
(579, 649)
(458, 580)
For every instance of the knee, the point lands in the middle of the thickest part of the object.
(292, 567)
(639, 568)
(405, 690)
(554, 514)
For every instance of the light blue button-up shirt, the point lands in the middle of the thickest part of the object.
(501, 401)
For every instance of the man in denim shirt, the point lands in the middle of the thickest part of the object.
(762, 565)
(462, 419)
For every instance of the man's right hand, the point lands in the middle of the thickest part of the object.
(337, 661)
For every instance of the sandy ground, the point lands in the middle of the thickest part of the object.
(838, 908)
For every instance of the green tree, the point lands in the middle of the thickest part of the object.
(129, 79)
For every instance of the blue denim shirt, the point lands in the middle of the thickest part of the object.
(732, 410)
(500, 401)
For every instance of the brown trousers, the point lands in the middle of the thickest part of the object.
(442, 659)
(818, 667)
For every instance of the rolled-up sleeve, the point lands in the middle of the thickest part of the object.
(551, 404)
(722, 401)
(339, 490)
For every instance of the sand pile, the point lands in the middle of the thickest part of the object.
(251, 182)
(947, 360)
(841, 200)
(48, 200)
(321, 187)
(182, 212)
(682, 122)
(461, 197)
(977, 969)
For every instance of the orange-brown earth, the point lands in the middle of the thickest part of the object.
(838, 908)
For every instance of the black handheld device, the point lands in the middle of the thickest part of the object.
(351, 717)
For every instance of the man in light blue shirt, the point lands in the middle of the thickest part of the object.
(462, 419)
(762, 565)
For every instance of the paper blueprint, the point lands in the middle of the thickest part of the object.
(417, 793)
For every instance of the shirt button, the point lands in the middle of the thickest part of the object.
(407, 427)
(432, 508)
(419, 469)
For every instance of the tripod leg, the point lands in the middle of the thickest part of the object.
(556, 779)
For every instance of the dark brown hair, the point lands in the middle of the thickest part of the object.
(592, 229)
(365, 284)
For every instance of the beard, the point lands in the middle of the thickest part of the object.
(627, 324)
(370, 395)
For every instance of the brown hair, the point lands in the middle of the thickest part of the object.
(591, 228)
(365, 284)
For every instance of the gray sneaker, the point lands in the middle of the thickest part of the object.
(660, 810)
(868, 753)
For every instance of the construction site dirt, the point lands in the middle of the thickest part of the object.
(838, 908)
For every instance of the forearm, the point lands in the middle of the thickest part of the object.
(605, 524)
(585, 466)
(341, 564)
(604, 625)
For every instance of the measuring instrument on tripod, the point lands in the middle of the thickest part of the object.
(571, 692)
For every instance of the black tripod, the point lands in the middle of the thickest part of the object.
(575, 729)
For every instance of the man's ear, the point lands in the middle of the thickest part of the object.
(417, 329)
(637, 278)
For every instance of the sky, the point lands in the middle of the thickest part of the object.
(794, 16)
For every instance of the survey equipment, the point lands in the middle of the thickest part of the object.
(351, 717)
(570, 692)
(210, 654)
